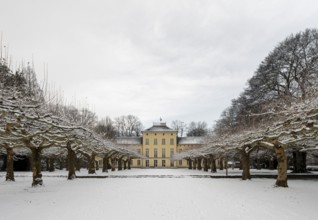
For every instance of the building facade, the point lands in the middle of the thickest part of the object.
(158, 144)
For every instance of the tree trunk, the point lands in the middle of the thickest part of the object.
(47, 164)
(281, 167)
(245, 161)
(77, 163)
(113, 164)
(105, 163)
(10, 173)
(125, 164)
(61, 164)
(91, 164)
(199, 164)
(36, 166)
(195, 164)
(190, 164)
(221, 163)
(205, 165)
(129, 162)
(120, 164)
(51, 165)
(299, 162)
(70, 163)
(97, 165)
(213, 164)
(226, 167)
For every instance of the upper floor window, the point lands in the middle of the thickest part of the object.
(155, 141)
(155, 152)
(163, 152)
(171, 141)
(147, 141)
(147, 152)
(163, 141)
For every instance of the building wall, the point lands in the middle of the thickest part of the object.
(164, 143)
(148, 143)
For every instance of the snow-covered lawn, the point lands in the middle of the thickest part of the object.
(156, 198)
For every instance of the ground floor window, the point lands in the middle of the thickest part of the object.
(138, 162)
(171, 163)
(180, 162)
(147, 163)
(163, 163)
(156, 163)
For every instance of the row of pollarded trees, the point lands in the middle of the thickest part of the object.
(27, 129)
(278, 109)
(297, 128)
(29, 125)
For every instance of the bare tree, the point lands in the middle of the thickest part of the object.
(105, 128)
(179, 126)
(128, 126)
(197, 129)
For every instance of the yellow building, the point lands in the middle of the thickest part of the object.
(159, 143)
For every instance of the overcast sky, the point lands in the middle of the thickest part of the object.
(176, 59)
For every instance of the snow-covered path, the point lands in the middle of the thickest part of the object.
(157, 198)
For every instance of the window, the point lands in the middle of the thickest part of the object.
(156, 163)
(180, 162)
(155, 152)
(155, 141)
(147, 163)
(147, 141)
(171, 163)
(163, 163)
(163, 152)
(171, 152)
(171, 141)
(163, 141)
(147, 152)
(138, 162)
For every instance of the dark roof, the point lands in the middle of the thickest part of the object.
(191, 140)
(128, 140)
(161, 126)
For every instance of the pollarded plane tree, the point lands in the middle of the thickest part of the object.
(16, 130)
(41, 132)
(27, 125)
(93, 145)
(127, 154)
(298, 124)
(51, 155)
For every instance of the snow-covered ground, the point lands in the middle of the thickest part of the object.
(156, 198)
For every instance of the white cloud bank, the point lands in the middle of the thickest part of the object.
(181, 60)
